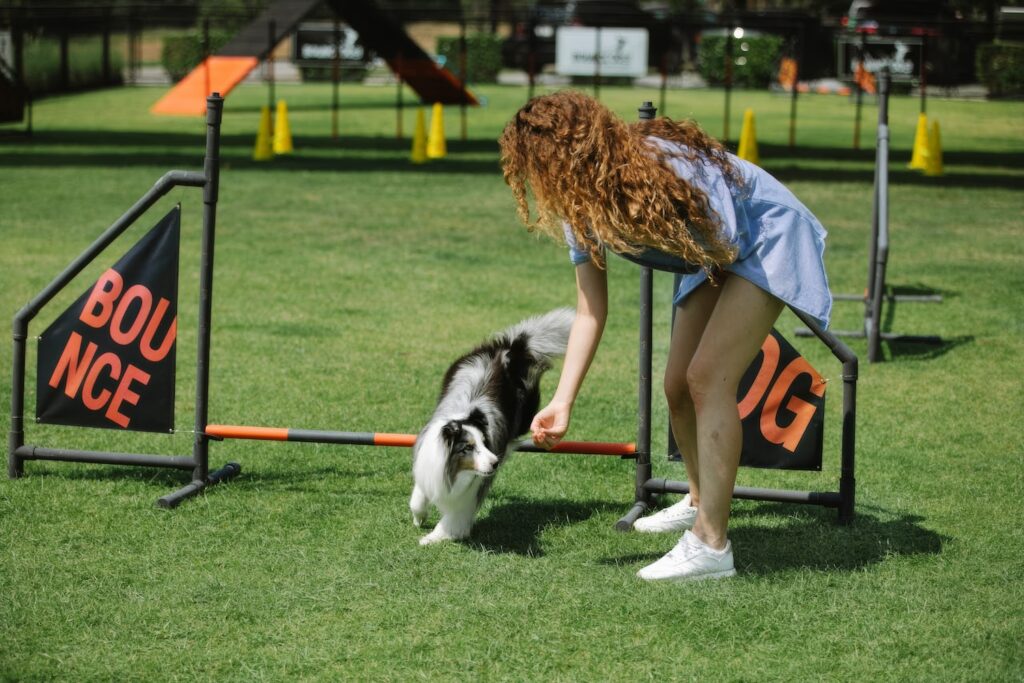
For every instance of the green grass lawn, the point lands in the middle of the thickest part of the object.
(347, 279)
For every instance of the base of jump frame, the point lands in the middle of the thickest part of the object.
(172, 500)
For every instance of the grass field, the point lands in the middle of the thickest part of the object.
(346, 281)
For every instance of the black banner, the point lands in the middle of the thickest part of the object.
(108, 360)
(781, 400)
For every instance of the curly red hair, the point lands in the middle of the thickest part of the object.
(605, 178)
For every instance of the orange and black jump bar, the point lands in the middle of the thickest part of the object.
(624, 450)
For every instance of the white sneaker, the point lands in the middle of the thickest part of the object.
(678, 517)
(691, 560)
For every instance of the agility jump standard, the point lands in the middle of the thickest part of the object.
(198, 462)
(647, 486)
(878, 253)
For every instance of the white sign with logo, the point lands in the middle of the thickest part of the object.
(621, 51)
(315, 43)
(900, 54)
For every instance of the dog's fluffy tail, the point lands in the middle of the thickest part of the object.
(546, 335)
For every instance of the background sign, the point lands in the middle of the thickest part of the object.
(108, 360)
(623, 51)
(314, 44)
(902, 55)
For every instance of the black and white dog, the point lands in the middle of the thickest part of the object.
(488, 398)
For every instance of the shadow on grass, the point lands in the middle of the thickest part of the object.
(77, 147)
(909, 349)
(811, 539)
(156, 477)
(514, 525)
(919, 345)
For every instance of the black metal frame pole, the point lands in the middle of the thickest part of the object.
(398, 97)
(923, 80)
(673, 453)
(201, 476)
(531, 58)
(642, 497)
(727, 58)
(663, 89)
(792, 110)
(463, 72)
(797, 59)
(860, 93)
(843, 353)
(879, 247)
(206, 57)
(335, 78)
(271, 43)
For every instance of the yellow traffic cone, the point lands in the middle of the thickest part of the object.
(919, 158)
(748, 139)
(419, 139)
(436, 148)
(263, 149)
(934, 167)
(282, 131)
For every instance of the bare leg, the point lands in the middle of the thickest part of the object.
(691, 319)
(743, 316)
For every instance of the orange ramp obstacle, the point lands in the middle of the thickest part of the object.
(215, 74)
(254, 43)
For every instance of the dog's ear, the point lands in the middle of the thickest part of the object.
(451, 431)
(478, 420)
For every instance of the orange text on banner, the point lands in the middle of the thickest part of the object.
(789, 436)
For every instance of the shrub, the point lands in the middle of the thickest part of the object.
(483, 56)
(85, 65)
(1000, 66)
(184, 52)
(755, 59)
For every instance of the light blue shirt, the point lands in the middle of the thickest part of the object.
(780, 243)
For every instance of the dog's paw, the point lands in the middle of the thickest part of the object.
(418, 519)
(435, 537)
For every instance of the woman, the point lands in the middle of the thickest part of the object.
(666, 191)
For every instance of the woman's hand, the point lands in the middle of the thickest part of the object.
(550, 424)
